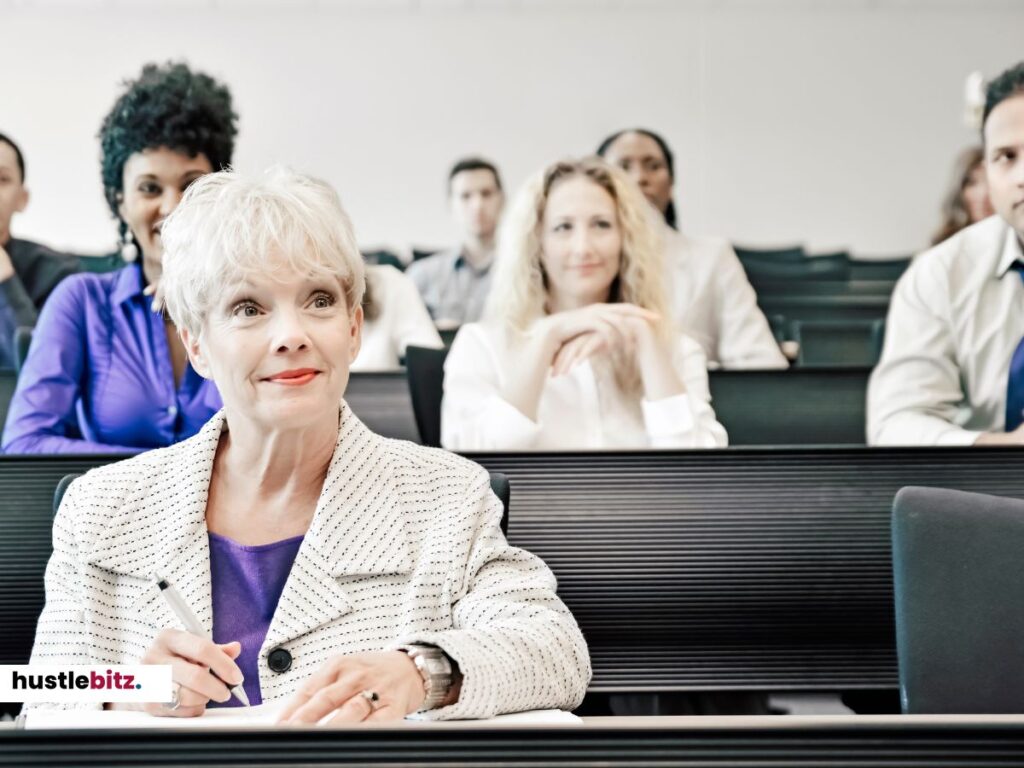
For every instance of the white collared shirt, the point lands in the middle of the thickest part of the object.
(956, 317)
(713, 302)
(403, 320)
(582, 410)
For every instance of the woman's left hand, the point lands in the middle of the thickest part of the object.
(345, 684)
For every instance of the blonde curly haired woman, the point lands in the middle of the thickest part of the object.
(576, 350)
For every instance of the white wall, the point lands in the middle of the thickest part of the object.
(832, 122)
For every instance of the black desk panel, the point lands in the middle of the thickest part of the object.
(739, 569)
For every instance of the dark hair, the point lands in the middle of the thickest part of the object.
(169, 106)
(1009, 83)
(5, 139)
(602, 150)
(473, 164)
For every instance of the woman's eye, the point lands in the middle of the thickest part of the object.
(323, 300)
(149, 188)
(563, 227)
(245, 309)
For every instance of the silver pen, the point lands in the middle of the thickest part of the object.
(188, 618)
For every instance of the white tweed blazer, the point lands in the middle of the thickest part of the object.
(404, 546)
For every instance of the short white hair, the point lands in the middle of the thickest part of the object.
(228, 227)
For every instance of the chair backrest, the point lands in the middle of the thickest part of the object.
(503, 490)
(958, 591)
(879, 269)
(799, 406)
(791, 253)
(830, 267)
(834, 343)
(828, 300)
(61, 489)
(425, 369)
(22, 341)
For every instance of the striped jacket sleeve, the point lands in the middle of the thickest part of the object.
(515, 642)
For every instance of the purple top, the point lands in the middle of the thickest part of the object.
(246, 585)
(98, 376)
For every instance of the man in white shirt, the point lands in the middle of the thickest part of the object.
(712, 299)
(454, 283)
(957, 315)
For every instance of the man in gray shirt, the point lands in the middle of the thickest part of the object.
(28, 271)
(454, 283)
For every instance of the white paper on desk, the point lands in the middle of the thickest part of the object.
(261, 716)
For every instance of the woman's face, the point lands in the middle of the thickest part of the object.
(154, 181)
(643, 161)
(581, 243)
(975, 195)
(279, 348)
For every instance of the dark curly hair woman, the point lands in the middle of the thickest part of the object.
(106, 371)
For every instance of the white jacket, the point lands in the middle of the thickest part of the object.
(404, 547)
(713, 301)
(402, 320)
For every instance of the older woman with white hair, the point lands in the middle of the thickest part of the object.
(348, 576)
(576, 350)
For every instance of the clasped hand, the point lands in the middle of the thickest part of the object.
(578, 334)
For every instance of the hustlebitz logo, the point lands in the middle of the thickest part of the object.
(85, 683)
(69, 681)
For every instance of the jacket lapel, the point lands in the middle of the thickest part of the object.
(160, 528)
(357, 530)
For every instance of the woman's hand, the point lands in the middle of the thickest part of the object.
(338, 687)
(595, 329)
(191, 659)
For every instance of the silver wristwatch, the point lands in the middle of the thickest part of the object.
(436, 669)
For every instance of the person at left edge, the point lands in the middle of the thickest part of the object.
(29, 271)
(335, 557)
(106, 373)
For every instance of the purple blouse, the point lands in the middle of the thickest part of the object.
(98, 376)
(246, 583)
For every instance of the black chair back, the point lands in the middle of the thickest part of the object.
(958, 589)
(837, 343)
(830, 267)
(425, 369)
(791, 254)
(879, 269)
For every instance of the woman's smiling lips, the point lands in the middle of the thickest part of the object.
(293, 378)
